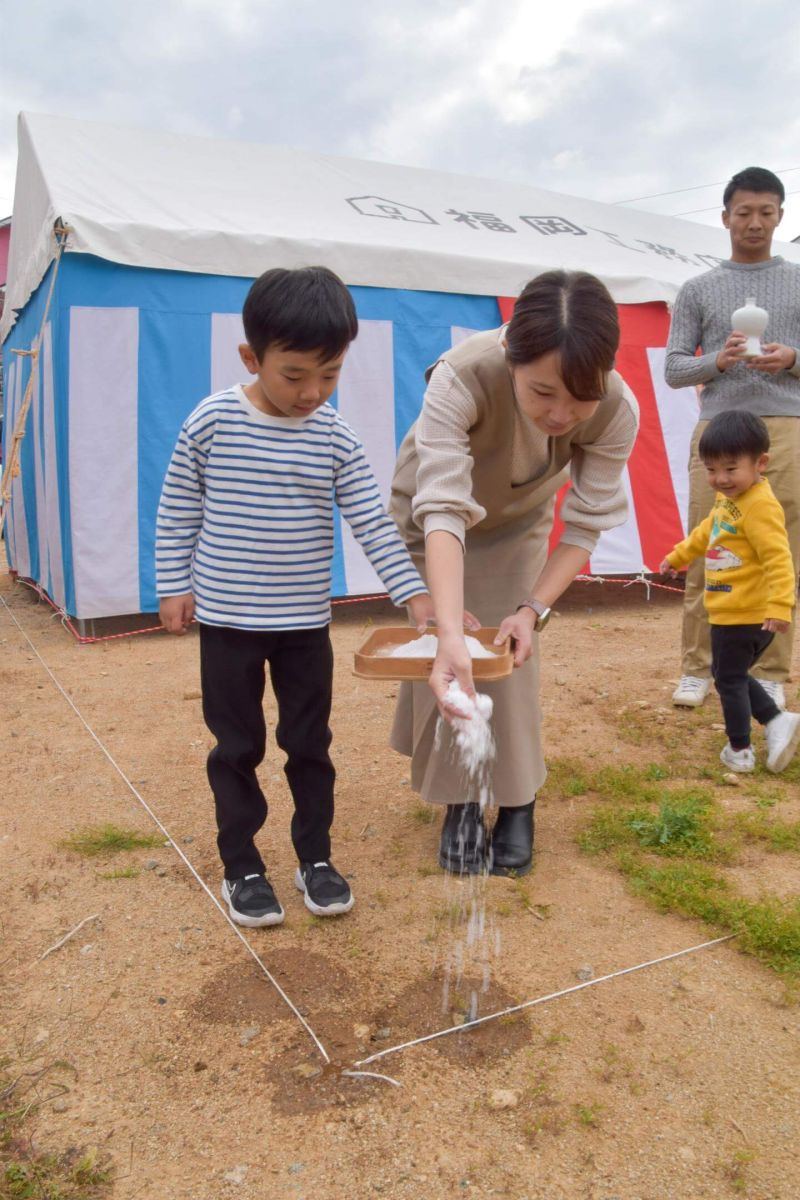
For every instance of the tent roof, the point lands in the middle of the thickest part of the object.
(182, 203)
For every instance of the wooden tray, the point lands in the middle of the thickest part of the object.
(370, 664)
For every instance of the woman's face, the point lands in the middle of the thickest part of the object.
(542, 396)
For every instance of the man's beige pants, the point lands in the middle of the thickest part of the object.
(783, 473)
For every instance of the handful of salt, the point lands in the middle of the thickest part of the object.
(473, 734)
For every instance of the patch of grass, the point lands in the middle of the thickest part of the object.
(27, 1174)
(778, 835)
(110, 839)
(679, 826)
(769, 929)
(122, 873)
(588, 1115)
(423, 814)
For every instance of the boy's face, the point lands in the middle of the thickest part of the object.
(735, 475)
(751, 218)
(290, 383)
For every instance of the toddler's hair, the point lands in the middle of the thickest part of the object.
(307, 310)
(732, 434)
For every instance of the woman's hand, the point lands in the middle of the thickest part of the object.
(520, 628)
(177, 612)
(452, 662)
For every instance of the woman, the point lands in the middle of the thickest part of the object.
(508, 417)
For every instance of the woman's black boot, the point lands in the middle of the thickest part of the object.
(511, 844)
(462, 846)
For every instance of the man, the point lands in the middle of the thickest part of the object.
(767, 385)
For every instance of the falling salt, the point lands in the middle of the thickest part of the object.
(473, 737)
(427, 646)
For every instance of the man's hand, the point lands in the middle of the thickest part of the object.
(732, 352)
(177, 613)
(776, 357)
(773, 625)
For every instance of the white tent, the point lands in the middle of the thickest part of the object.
(165, 234)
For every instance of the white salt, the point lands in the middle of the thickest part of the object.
(427, 645)
(473, 735)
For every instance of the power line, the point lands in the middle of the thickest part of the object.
(696, 188)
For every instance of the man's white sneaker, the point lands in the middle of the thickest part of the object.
(783, 735)
(775, 692)
(738, 760)
(691, 691)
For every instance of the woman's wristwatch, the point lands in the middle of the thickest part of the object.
(541, 610)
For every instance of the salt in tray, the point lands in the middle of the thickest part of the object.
(372, 661)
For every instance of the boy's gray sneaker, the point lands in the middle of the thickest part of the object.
(251, 901)
(327, 893)
(782, 734)
(738, 760)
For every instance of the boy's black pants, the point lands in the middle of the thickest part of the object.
(232, 671)
(734, 650)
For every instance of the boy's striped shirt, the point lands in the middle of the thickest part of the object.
(245, 521)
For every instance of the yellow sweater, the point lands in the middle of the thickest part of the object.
(749, 572)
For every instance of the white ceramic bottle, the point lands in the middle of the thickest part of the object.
(752, 320)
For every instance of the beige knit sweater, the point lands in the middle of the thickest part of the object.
(596, 500)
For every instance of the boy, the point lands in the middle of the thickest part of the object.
(750, 583)
(244, 543)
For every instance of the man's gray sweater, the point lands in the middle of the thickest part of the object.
(701, 318)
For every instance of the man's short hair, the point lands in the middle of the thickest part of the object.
(733, 433)
(754, 179)
(308, 309)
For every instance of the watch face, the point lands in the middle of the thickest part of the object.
(544, 617)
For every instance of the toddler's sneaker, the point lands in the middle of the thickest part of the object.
(738, 760)
(251, 901)
(326, 893)
(775, 692)
(691, 691)
(783, 735)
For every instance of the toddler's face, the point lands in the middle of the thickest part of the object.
(735, 474)
(290, 383)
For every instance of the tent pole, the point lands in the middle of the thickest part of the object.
(12, 467)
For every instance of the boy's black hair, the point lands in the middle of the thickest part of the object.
(754, 179)
(733, 434)
(307, 310)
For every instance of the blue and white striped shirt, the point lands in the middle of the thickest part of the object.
(245, 521)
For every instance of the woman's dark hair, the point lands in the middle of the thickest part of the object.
(754, 179)
(571, 312)
(732, 434)
(307, 310)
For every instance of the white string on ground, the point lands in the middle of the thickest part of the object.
(372, 1075)
(171, 841)
(540, 1000)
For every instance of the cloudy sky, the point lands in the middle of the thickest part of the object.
(607, 99)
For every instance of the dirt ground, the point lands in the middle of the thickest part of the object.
(155, 1037)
